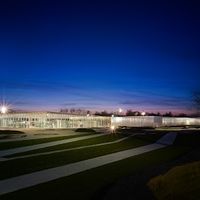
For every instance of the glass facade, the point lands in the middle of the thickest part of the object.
(153, 121)
(59, 120)
(52, 120)
(137, 121)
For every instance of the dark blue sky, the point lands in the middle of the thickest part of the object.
(143, 55)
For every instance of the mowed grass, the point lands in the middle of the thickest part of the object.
(149, 138)
(85, 142)
(27, 165)
(89, 184)
(190, 138)
(8, 132)
(16, 144)
(182, 182)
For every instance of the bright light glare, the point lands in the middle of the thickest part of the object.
(112, 128)
(143, 113)
(120, 110)
(118, 119)
(4, 109)
(187, 122)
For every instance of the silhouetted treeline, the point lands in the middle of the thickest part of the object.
(167, 114)
(77, 111)
(125, 113)
(196, 99)
(103, 113)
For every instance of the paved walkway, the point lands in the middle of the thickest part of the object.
(23, 137)
(28, 180)
(167, 139)
(8, 152)
(65, 150)
(39, 134)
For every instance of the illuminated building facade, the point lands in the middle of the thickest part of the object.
(51, 120)
(154, 121)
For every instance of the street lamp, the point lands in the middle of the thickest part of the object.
(143, 113)
(120, 110)
(3, 109)
(112, 128)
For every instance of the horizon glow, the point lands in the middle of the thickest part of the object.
(101, 55)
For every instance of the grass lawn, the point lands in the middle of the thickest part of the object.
(89, 130)
(15, 144)
(28, 165)
(182, 182)
(188, 139)
(11, 132)
(89, 184)
(7, 134)
(149, 138)
(90, 141)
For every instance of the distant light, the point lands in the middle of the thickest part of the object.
(112, 128)
(4, 109)
(143, 113)
(88, 115)
(113, 115)
(120, 110)
(118, 119)
(187, 122)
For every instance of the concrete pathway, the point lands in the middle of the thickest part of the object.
(28, 180)
(65, 150)
(36, 136)
(8, 152)
(167, 139)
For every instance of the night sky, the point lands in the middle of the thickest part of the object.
(143, 55)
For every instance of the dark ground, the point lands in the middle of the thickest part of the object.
(135, 186)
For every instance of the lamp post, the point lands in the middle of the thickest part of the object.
(143, 114)
(120, 111)
(112, 129)
(3, 109)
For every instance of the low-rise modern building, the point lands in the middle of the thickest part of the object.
(50, 120)
(154, 121)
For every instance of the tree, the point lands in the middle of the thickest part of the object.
(182, 115)
(196, 99)
(103, 113)
(168, 114)
(88, 112)
(132, 113)
(65, 110)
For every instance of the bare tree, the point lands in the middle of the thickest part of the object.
(196, 99)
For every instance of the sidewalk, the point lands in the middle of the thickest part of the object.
(65, 150)
(28, 180)
(8, 152)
